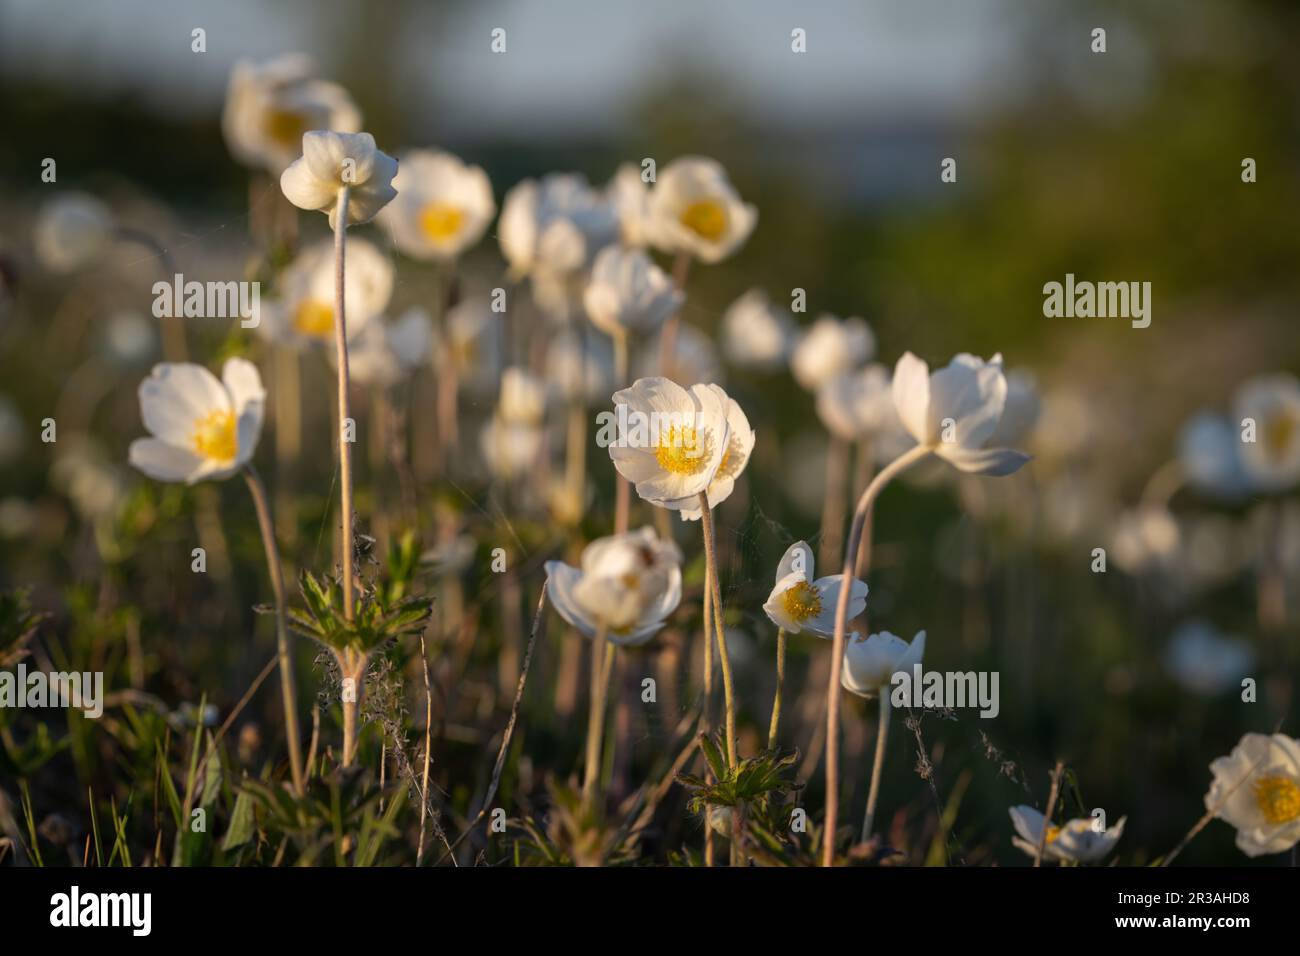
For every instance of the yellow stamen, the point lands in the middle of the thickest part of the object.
(706, 218)
(1053, 832)
(215, 436)
(1279, 434)
(802, 601)
(441, 221)
(1278, 798)
(682, 451)
(285, 127)
(314, 317)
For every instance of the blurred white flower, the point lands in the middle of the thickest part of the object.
(870, 665)
(270, 106)
(1209, 452)
(1272, 460)
(799, 603)
(443, 206)
(755, 333)
(94, 486)
(202, 427)
(386, 353)
(303, 312)
(510, 449)
(740, 444)
(555, 226)
(1144, 539)
(1256, 788)
(580, 368)
(470, 342)
(956, 410)
(1019, 412)
(858, 405)
(630, 196)
(71, 230)
(1077, 841)
(829, 349)
(1206, 662)
(695, 209)
(627, 586)
(628, 293)
(676, 441)
(130, 337)
(694, 357)
(523, 398)
(329, 162)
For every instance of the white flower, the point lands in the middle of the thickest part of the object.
(1077, 841)
(627, 586)
(1256, 788)
(630, 196)
(331, 161)
(1204, 661)
(858, 405)
(201, 427)
(695, 209)
(443, 206)
(740, 444)
(510, 449)
(388, 352)
(627, 292)
(756, 334)
(270, 106)
(800, 603)
(580, 368)
(956, 410)
(675, 441)
(1210, 453)
(471, 343)
(304, 311)
(523, 398)
(870, 665)
(1019, 412)
(1145, 538)
(71, 230)
(829, 349)
(555, 226)
(694, 358)
(1272, 460)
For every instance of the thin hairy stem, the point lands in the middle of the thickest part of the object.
(602, 663)
(345, 413)
(882, 736)
(724, 658)
(780, 683)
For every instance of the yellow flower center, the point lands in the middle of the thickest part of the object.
(215, 436)
(314, 317)
(1278, 798)
(285, 127)
(1053, 832)
(706, 218)
(1279, 433)
(441, 221)
(802, 601)
(682, 451)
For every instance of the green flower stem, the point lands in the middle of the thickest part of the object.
(780, 682)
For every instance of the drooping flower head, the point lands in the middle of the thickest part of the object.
(956, 411)
(329, 162)
(443, 205)
(799, 602)
(202, 427)
(626, 588)
(695, 209)
(870, 664)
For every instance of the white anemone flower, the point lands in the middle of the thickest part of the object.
(695, 209)
(870, 664)
(329, 162)
(799, 603)
(555, 226)
(202, 427)
(510, 449)
(858, 405)
(443, 205)
(674, 442)
(755, 333)
(628, 293)
(387, 353)
(1146, 539)
(269, 106)
(626, 588)
(740, 445)
(72, 230)
(1256, 788)
(1019, 412)
(580, 368)
(1272, 402)
(304, 310)
(1206, 662)
(829, 349)
(1076, 841)
(956, 411)
(470, 344)
(1210, 455)
(629, 194)
(523, 398)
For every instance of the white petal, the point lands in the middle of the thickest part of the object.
(164, 462)
(911, 388)
(176, 396)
